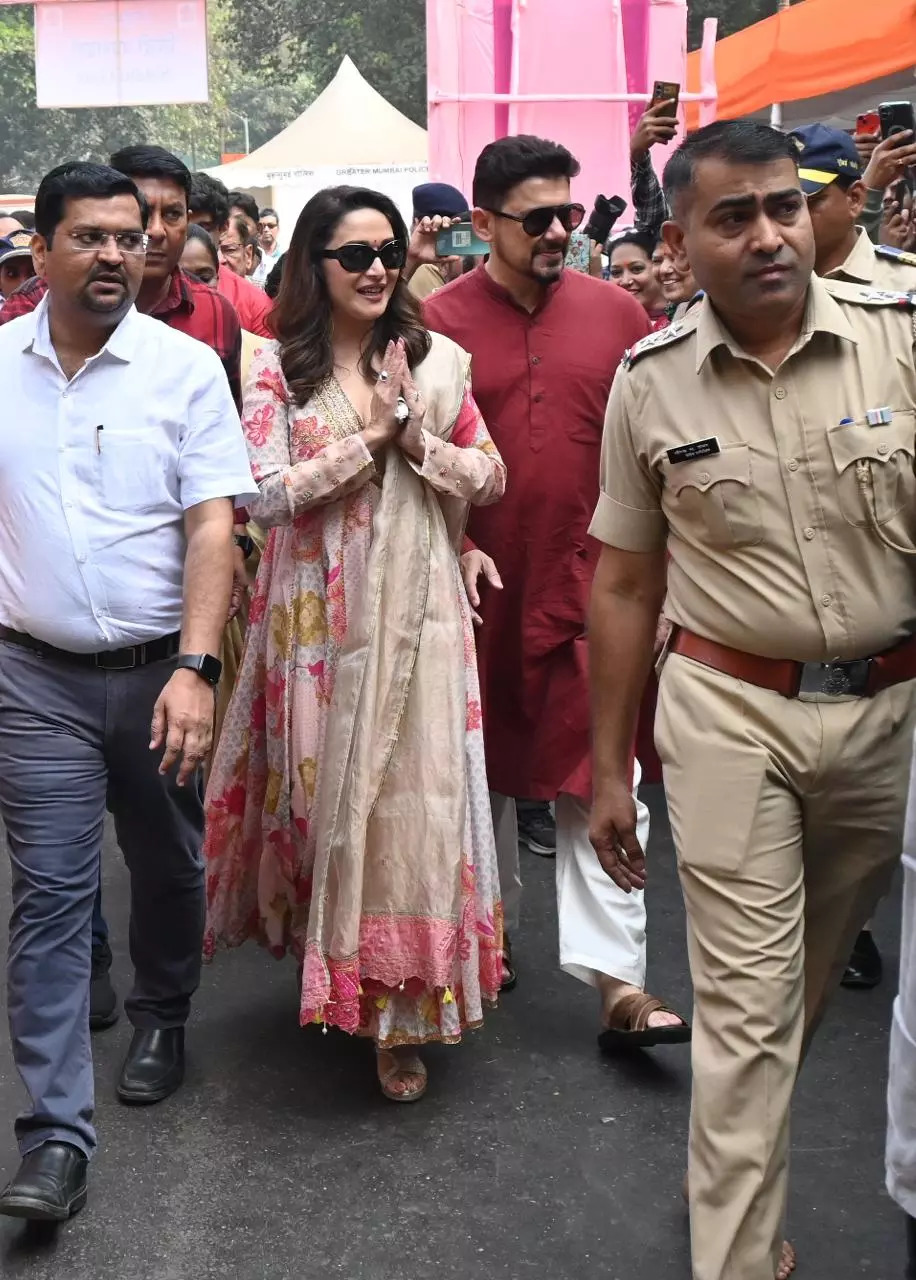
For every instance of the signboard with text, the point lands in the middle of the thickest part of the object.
(120, 53)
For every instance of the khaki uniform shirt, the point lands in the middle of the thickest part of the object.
(877, 265)
(770, 546)
(425, 280)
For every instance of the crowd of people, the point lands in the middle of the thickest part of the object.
(388, 547)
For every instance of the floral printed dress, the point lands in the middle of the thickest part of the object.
(319, 491)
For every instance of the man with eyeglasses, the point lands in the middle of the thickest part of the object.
(545, 344)
(185, 304)
(111, 615)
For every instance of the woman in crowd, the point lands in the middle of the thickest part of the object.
(348, 814)
(630, 255)
(201, 259)
(678, 287)
(199, 256)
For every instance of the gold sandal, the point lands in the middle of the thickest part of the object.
(392, 1066)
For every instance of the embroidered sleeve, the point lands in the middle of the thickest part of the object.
(286, 489)
(468, 466)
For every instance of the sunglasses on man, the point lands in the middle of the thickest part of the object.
(536, 221)
(358, 257)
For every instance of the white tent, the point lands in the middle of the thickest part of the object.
(349, 134)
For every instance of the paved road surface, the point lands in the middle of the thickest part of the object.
(530, 1156)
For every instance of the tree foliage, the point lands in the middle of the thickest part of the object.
(733, 16)
(386, 40)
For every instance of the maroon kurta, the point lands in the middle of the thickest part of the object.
(541, 381)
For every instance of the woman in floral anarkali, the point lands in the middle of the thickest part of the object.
(348, 814)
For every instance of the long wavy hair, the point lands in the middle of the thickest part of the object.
(302, 318)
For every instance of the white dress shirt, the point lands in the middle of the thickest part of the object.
(96, 473)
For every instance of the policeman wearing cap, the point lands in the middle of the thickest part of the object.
(15, 262)
(831, 178)
(435, 206)
(757, 484)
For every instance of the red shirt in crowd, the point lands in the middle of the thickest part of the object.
(190, 306)
(251, 303)
(541, 380)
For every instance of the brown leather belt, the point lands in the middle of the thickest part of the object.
(861, 677)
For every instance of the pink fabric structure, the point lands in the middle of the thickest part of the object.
(573, 75)
(460, 58)
(558, 49)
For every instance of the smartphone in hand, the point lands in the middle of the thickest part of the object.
(663, 91)
(868, 124)
(459, 241)
(896, 117)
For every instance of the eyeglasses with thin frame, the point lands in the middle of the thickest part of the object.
(94, 239)
(358, 257)
(536, 221)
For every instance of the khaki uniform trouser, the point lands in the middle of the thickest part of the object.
(787, 818)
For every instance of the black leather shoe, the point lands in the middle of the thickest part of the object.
(154, 1066)
(50, 1185)
(911, 1248)
(865, 969)
(103, 1001)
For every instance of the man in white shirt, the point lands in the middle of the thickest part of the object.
(115, 574)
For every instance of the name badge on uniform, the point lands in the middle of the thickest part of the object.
(696, 449)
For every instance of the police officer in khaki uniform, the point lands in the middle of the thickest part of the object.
(831, 178)
(758, 459)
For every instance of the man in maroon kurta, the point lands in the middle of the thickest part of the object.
(545, 343)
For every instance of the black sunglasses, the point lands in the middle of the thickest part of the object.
(357, 258)
(536, 221)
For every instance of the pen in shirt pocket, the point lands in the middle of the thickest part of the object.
(98, 438)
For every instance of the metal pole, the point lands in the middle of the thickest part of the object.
(244, 119)
(776, 108)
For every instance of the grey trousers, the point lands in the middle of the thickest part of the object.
(71, 736)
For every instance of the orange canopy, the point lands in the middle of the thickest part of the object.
(813, 48)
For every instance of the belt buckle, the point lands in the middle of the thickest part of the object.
(835, 679)
(107, 661)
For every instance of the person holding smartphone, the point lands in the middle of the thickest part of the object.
(832, 180)
(885, 162)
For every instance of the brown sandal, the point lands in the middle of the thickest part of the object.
(629, 1029)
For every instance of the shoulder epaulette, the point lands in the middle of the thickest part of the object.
(866, 295)
(890, 251)
(674, 332)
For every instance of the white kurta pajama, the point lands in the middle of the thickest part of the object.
(901, 1128)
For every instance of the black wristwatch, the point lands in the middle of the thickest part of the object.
(206, 666)
(246, 542)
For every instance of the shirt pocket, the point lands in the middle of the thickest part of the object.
(134, 472)
(890, 450)
(717, 498)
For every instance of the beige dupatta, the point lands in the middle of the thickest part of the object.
(390, 809)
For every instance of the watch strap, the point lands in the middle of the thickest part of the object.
(203, 664)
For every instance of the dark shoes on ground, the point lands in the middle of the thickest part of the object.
(911, 1248)
(154, 1067)
(50, 1185)
(103, 1000)
(865, 968)
(536, 827)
